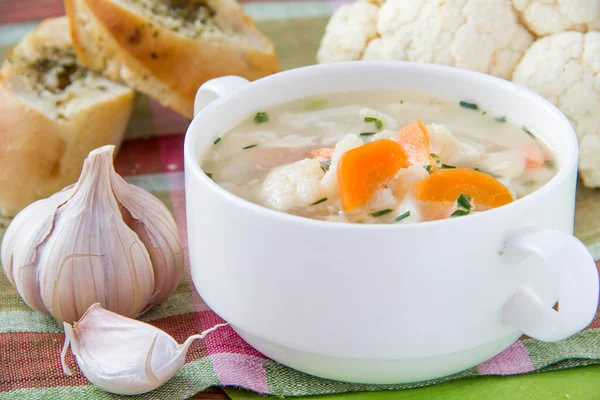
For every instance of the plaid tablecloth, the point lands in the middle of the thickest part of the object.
(152, 158)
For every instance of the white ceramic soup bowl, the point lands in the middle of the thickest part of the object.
(387, 303)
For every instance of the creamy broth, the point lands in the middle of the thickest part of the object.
(272, 158)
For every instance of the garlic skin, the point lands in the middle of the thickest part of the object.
(121, 355)
(101, 240)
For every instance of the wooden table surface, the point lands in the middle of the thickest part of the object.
(211, 394)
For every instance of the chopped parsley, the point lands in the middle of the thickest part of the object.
(367, 133)
(483, 113)
(427, 168)
(446, 166)
(401, 101)
(464, 201)
(527, 131)
(381, 212)
(530, 182)
(316, 104)
(323, 169)
(477, 169)
(217, 140)
(436, 158)
(463, 206)
(249, 147)
(501, 119)
(261, 117)
(470, 106)
(402, 216)
(209, 175)
(549, 164)
(459, 213)
(378, 123)
(324, 199)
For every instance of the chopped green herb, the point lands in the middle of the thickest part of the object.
(459, 213)
(464, 201)
(470, 106)
(381, 212)
(323, 169)
(401, 101)
(549, 164)
(530, 182)
(427, 168)
(483, 113)
(435, 157)
(402, 216)
(501, 119)
(324, 199)
(444, 166)
(249, 147)
(261, 117)
(527, 131)
(378, 123)
(209, 175)
(217, 140)
(316, 104)
(367, 133)
(327, 163)
(477, 169)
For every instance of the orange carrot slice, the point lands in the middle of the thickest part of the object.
(364, 170)
(323, 154)
(447, 184)
(414, 138)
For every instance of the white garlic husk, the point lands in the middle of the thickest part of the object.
(122, 355)
(101, 240)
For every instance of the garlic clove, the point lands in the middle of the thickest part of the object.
(156, 228)
(122, 355)
(19, 253)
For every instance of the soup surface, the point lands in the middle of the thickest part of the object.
(379, 157)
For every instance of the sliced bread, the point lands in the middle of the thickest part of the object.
(53, 113)
(168, 48)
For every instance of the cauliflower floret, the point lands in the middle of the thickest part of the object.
(405, 179)
(382, 199)
(349, 30)
(374, 50)
(544, 17)
(294, 185)
(329, 181)
(565, 68)
(504, 164)
(481, 35)
(452, 150)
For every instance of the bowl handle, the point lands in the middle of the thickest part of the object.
(570, 263)
(215, 88)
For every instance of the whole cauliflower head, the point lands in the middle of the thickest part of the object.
(565, 68)
(545, 17)
(481, 35)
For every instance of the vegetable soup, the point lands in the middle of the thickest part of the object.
(379, 157)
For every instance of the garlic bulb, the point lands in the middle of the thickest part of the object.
(101, 240)
(122, 355)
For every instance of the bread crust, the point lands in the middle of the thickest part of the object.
(158, 62)
(40, 154)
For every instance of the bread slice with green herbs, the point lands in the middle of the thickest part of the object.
(167, 49)
(53, 112)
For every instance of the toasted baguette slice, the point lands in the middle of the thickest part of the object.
(168, 48)
(53, 112)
